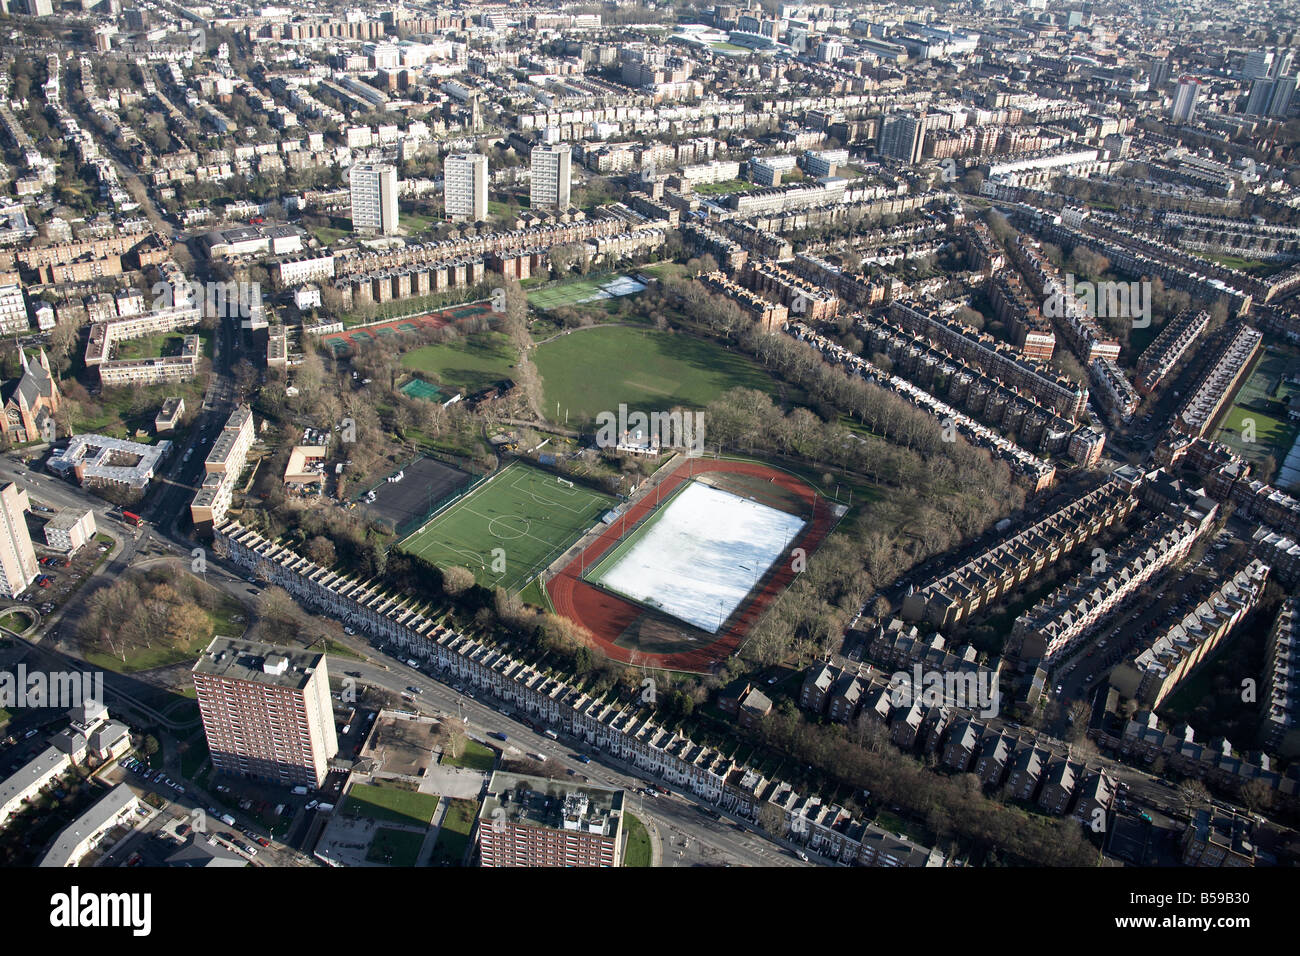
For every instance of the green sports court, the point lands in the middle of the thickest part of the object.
(530, 515)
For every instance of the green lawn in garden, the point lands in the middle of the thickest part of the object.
(453, 838)
(475, 756)
(391, 804)
(395, 847)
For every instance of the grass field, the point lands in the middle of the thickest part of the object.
(723, 188)
(326, 235)
(395, 847)
(469, 364)
(1263, 399)
(638, 843)
(453, 838)
(510, 527)
(391, 804)
(16, 621)
(595, 369)
(475, 756)
(150, 346)
(165, 653)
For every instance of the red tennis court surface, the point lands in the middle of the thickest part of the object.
(634, 634)
(366, 335)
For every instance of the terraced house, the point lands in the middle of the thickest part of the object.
(623, 729)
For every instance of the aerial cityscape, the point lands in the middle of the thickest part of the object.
(649, 434)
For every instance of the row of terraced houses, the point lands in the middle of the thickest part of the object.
(623, 730)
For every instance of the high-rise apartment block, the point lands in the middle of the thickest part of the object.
(1184, 108)
(266, 711)
(18, 567)
(465, 189)
(533, 821)
(374, 198)
(902, 137)
(552, 172)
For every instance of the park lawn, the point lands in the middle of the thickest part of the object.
(475, 756)
(327, 235)
(597, 369)
(391, 804)
(468, 364)
(125, 412)
(1263, 397)
(665, 270)
(415, 223)
(638, 843)
(165, 654)
(453, 837)
(395, 847)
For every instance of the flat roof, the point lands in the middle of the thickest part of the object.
(236, 659)
(556, 804)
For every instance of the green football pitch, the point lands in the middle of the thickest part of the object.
(510, 527)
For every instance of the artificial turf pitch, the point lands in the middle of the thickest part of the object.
(523, 511)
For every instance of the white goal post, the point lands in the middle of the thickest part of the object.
(565, 482)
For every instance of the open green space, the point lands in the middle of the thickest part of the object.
(395, 847)
(509, 527)
(596, 369)
(638, 843)
(474, 756)
(327, 235)
(1254, 267)
(453, 837)
(1262, 406)
(16, 621)
(150, 346)
(391, 804)
(722, 188)
(535, 595)
(468, 364)
(165, 652)
(414, 222)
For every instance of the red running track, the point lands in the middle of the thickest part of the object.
(607, 616)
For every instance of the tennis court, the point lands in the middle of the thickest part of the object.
(342, 343)
(583, 290)
(510, 527)
(419, 388)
